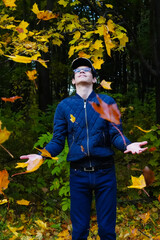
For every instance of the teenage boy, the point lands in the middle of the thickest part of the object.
(90, 154)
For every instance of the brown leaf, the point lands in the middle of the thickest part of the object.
(3, 180)
(110, 112)
(148, 175)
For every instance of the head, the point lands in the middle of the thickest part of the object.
(78, 62)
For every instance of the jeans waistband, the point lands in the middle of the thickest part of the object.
(96, 162)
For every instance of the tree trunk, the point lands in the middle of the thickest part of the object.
(156, 50)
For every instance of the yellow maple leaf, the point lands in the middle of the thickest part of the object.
(106, 85)
(3, 201)
(72, 119)
(101, 20)
(88, 34)
(21, 59)
(109, 5)
(111, 26)
(42, 62)
(35, 8)
(138, 182)
(23, 202)
(97, 45)
(146, 131)
(21, 28)
(45, 153)
(4, 135)
(71, 51)
(83, 54)
(123, 40)
(43, 15)
(41, 224)
(97, 62)
(108, 43)
(14, 229)
(9, 3)
(100, 30)
(31, 74)
(57, 42)
(63, 2)
(76, 36)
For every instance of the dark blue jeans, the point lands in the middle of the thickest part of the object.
(82, 184)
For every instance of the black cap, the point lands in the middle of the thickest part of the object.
(83, 62)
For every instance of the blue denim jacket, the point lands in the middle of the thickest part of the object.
(87, 134)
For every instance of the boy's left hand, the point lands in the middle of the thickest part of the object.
(136, 147)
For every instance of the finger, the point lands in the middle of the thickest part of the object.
(126, 151)
(144, 149)
(24, 157)
(143, 143)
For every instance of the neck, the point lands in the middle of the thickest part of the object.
(84, 91)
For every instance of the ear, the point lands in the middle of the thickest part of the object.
(94, 80)
(73, 81)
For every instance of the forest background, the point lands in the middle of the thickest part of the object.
(38, 41)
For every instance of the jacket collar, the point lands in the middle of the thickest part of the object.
(91, 96)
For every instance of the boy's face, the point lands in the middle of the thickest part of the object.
(83, 75)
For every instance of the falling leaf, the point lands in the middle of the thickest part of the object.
(138, 182)
(9, 3)
(11, 99)
(23, 202)
(72, 119)
(159, 198)
(106, 85)
(145, 217)
(4, 135)
(110, 112)
(146, 131)
(32, 75)
(3, 180)
(152, 149)
(148, 175)
(3, 201)
(45, 153)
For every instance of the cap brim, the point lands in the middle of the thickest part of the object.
(81, 62)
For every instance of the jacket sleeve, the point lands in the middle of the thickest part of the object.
(117, 138)
(56, 145)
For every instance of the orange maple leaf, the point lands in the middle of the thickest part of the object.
(145, 217)
(32, 74)
(110, 112)
(11, 99)
(3, 180)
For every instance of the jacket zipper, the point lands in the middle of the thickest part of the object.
(87, 130)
